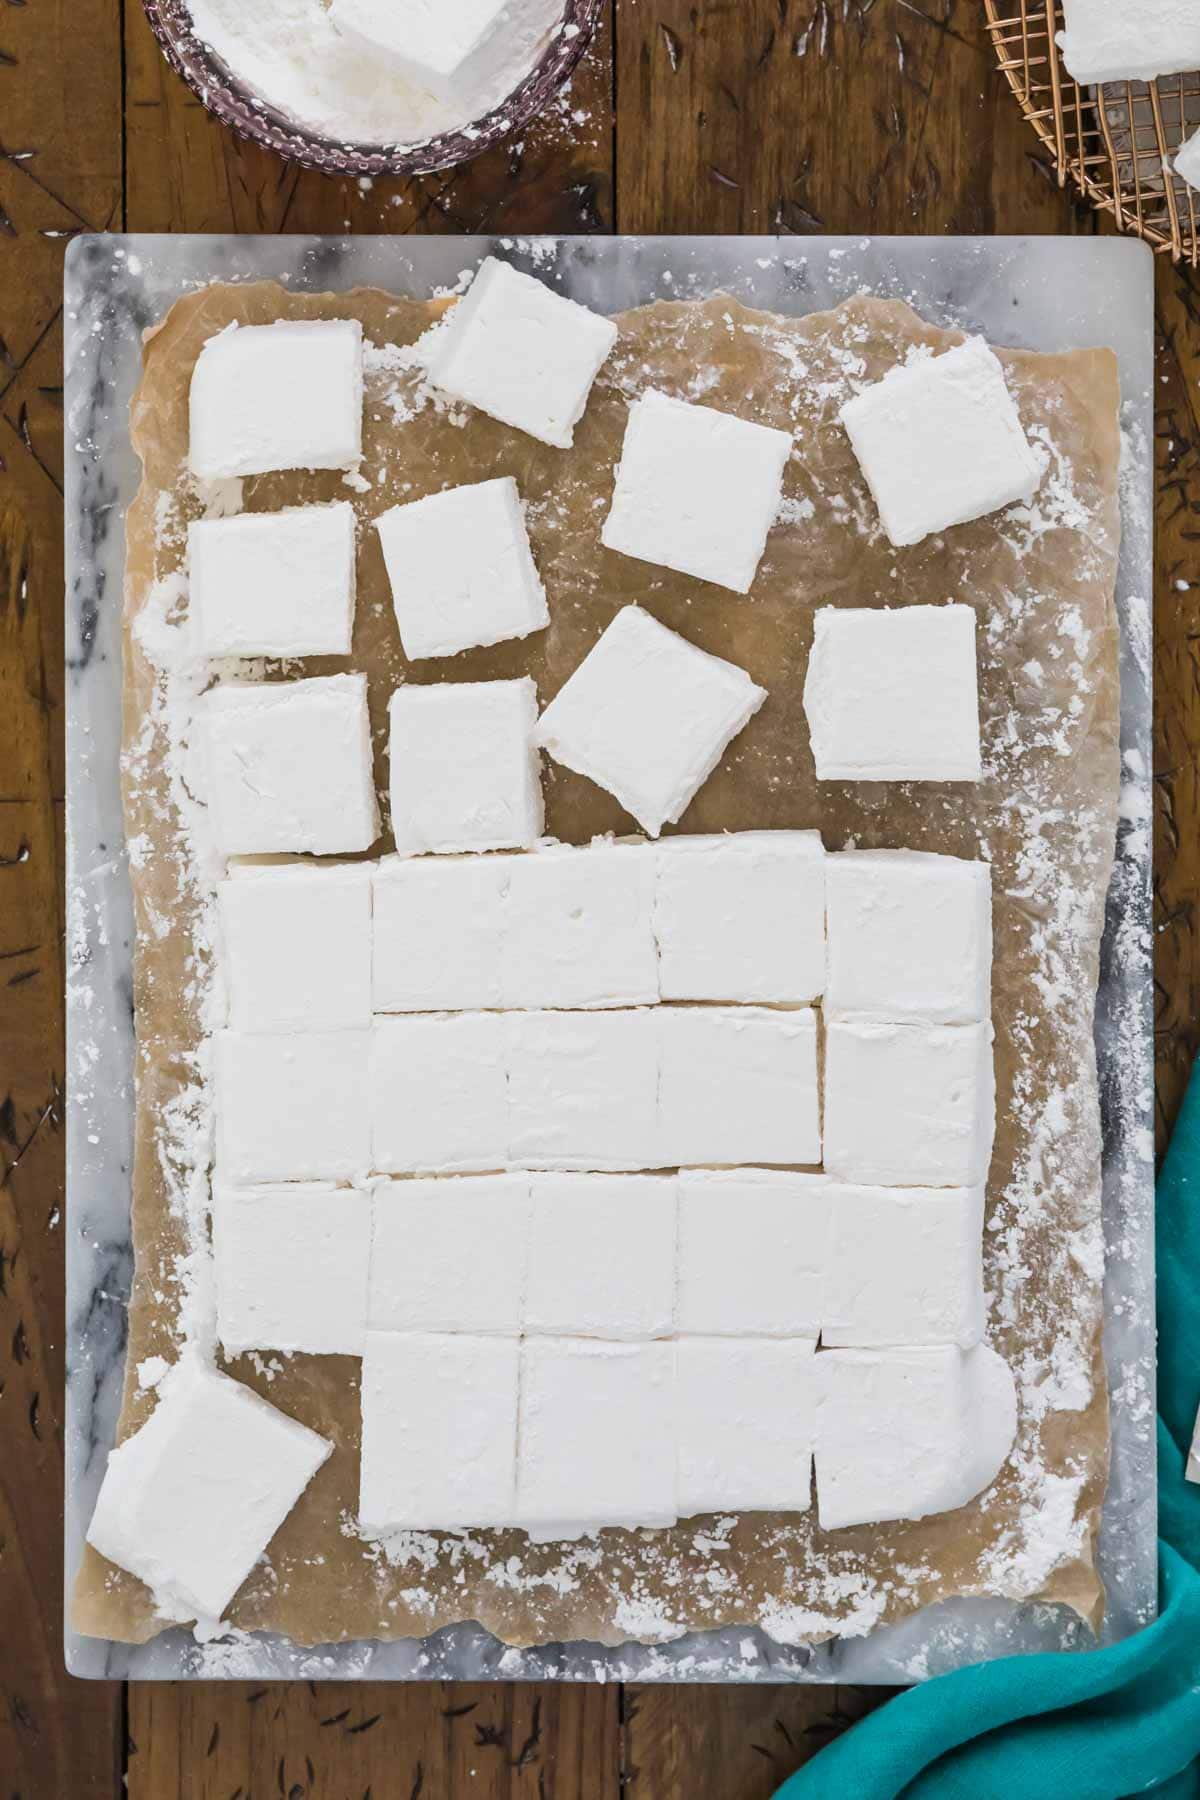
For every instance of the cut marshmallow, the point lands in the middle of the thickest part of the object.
(522, 353)
(697, 490)
(191, 1501)
(737, 1085)
(648, 716)
(910, 937)
(289, 767)
(438, 1093)
(450, 1255)
(892, 694)
(602, 1256)
(905, 1267)
(464, 770)
(281, 396)
(1187, 160)
(742, 917)
(1103, 42)
(940, 442)
(909, 1105)
(438, 931)
(582, 1090)
(579, 928)
(902, 1434)
(461, 570)
(439, 1431)
(296, 943)
(753, 1251)
(458, 53)
(291, 1266)
(273, 584)
(746, 1414)
(292, 1108)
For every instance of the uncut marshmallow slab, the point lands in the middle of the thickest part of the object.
(522, 353)
(902, 1434)
(281, 396)
(737, 1085)
(892, 694)
(289, 766)
(291, 1264)
(648, 716)
(439, 1431)
(596, 1443)
(579, 928)
(1107, 42)
(296, 945)
(292, 1107)
(191, 1501)
(465, 773)
(602, 1256)
(910, 936)
(909, 1105)
(753, 1250)
(741, 917)
(745, 1417)
(453, 51)
(905, 1267)
(697, 490)
(582, 1089)
(438, 932)
(438, 1093)
(273, 584)
(450, 1254)
(940, 442)
(461, 570)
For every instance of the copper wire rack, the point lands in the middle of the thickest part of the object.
(1115, 142)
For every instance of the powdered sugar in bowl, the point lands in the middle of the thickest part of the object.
(312, 80)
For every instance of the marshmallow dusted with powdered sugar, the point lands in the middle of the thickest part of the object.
(296, 943)
(450, 1255)
(579, 928)
(439, 1093)
(910, 937)
(741, 917)
(281, 396)
(904, 1266)
(438, 933)
(291, 1264)
(745, 1413)
(292, 1107)
(1126, 42)
(586, 1279)
(909, 1105)
(449, 51)
(773, 1283)
(737, 1084)
(273, 584)
(465, 771)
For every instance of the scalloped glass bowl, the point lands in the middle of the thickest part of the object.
(236, 105)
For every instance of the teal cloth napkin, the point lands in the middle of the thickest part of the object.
(1103, 1724)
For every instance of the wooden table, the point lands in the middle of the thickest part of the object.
(788, 116)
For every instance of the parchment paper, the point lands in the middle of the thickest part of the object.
(1041, 581)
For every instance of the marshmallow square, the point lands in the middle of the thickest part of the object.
(296, 946)
(902, 1434)
(461, 569)
(465, 774)
(454, 52)
(291, 1265)
(648, 716)
(438, 925)
(910, 937)
(909, 1105)
(273, 584)
(746, 1414)
(294, 1107)
(522, 353)
(1103, 42)
(753, 1249)
(737, 1085)
(439, 1431)
(741, 917)
(905, 1266)
(596, 1441)
(289, 767)
(582, 1089)
(697, 490)
(579, 928)
(191, 1501)
(281, 396)
(438, 1093)
(1187, 160)
(602, 1256)
(892, 694)
(940, 442)
(450, 1255)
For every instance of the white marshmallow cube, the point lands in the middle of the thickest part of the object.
(579, 928)
(291, 1265)
(273, 584)
(438, 1093)
(909, 1105)
(753, 1253)
(1103, 42)
(741, 917)
(281, 396)
(454, 52)
(438, 933)
(648, 716)
(191, 1501)
(294, 1107)
(296, 946)
(892, 694)
(602, 1257)
(940, 442)
(461, 570)
(910, 937)
(697, 490)
(450, 1255)
(465, 773)
(737, 1085)
(905, 1267)
(746, 1415)
(522, 353)
(582, 1090)
(1187, 160)
(289, 767)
